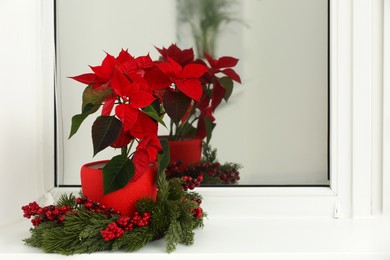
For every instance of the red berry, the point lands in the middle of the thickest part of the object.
(88, 205)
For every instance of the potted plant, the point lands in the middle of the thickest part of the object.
(189, 91)
(128, 122)
(205, 20)
(133, 95)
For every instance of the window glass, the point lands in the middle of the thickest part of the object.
(275, 124)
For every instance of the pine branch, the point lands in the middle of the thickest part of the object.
(175, 189)
(163, 187)
(37, 233)
(187, 236)
(134, 239)
(209, 154)
(66, 200)
(173, 236)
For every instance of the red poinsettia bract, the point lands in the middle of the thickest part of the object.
(186, 79)
(119, 87)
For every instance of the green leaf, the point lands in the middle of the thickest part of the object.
(90, 108)
(105, 130)
(76, 122)
(150, 111)
(93, 98)
(227, 83)
(163, 156)
(117, 173)
(176, 105)
(188, 129)
(209, 125)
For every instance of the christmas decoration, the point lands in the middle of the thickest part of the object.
(79, 225)
(206, 171)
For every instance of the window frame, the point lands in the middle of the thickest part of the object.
(350, 191)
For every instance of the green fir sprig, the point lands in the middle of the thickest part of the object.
(208, 171)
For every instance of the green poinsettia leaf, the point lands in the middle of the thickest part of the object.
(176, 105)
(151, 111)
(157, 106)
(163, 156)
(76, 122)
(90, 108)
(105, 130)
(93, 98)
(117, 173)
(188, 129)
(227, 83)
(209, 125)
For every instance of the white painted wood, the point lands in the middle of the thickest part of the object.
(386, 108)
(377, 106)
(25, 135)
(248, 238)
(361, 105)
(47, 93)
(341, 104)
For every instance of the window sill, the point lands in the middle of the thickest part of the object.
(254, 238)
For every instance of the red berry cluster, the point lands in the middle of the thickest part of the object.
(111, 232)
(197, 212)
(193, 175)
(117, 228)
(191, 183)
(229, 175)
(95, 206)
(48, 213)
(31, 209)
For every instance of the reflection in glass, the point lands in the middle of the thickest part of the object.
(275, 124)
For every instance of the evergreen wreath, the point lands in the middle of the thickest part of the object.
(78, 225)
(207, 171)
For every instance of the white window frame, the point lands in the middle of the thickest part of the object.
(352, 95)
(386, 109)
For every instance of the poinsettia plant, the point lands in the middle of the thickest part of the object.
(135, 93)
(190, 90)
(118, 86)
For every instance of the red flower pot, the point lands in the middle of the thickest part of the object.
(189, 151)
(124, 199)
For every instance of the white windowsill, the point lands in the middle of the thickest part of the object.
(245, 225)
(252, 238)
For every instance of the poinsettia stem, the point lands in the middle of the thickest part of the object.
(182, 129)
(124, 150)
(171, 130)
(193, 120)
(129, 148)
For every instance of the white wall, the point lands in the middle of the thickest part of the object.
(23, 156)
